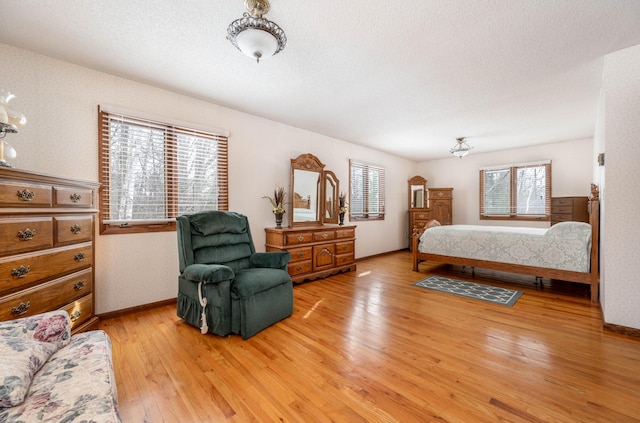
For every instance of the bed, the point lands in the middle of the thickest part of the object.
(566, 251)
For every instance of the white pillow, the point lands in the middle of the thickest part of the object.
(21, 359)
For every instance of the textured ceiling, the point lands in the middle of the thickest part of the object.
(406, 77)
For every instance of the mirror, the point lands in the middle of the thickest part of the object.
(330, 197)
(417, 189)
(306, 190)
(305, 196)
(314, 192)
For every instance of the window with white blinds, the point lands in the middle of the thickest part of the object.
(366, 194)
(517, 191)
(151, 172)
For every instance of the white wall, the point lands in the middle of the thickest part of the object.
(60, 101)
(571, 175)
(620, 139)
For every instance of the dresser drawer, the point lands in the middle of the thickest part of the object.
(324, 235)
(74, 197)
(421, 215)
(345, 233)
(419, 224)
(18, 235)
(299, 238)
(17, 194)
(27, 269)
(436, 194)
(73, 229)
(567, 217)
(344, 247)
(343, 259)
(558, 209)
(41, 298)
(299, 267)
(562, 201)
(80, 310)
(299, 254)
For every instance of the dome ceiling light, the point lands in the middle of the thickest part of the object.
(461, 149)
(254, 35)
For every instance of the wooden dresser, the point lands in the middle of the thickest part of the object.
(564, 209)
(440, 208)
(47, 231)
(317, 251)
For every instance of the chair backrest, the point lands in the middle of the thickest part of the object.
(214, 237)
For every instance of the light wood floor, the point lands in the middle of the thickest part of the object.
(367, 346)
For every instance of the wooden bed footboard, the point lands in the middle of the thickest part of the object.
(590, 278)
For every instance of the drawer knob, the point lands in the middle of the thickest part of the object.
(75, 315)
(299, 268)
(76, 229)
(300, 255)
(79, 257)
(21, 271)
(325, 236)
(27, 234)
(26, 195)
(21, 309)
(300, 238)
(79, 285)
(344, 248)
(75, 197)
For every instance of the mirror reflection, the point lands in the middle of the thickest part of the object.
(417, 196)
(306, 194)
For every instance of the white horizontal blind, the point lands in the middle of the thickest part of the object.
(151, 172)
(367, 191)
(516, 190)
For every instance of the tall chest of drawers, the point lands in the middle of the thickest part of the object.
(564, 209)
(440, 208)
(316, 252)
(47, 231)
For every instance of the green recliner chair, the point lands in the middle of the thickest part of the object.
(224, 286)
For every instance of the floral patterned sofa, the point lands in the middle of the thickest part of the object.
(47, 375)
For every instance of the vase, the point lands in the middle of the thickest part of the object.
(279, 220)
(341, 216)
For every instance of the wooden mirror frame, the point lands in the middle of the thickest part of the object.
(331, 192)
(325, 198)
(306, 163)
(417, 188)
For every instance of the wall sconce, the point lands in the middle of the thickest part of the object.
(10, 120)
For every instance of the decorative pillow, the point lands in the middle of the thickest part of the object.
(432, 223)
(21, 359)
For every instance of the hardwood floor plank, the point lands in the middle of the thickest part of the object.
(367, 346)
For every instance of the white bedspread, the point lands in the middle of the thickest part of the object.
(304, 215)
(564, 246)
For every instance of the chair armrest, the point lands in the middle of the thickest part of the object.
(208, 273)
(273, 259)
(52, 326)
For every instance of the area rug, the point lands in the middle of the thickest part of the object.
(492, 294)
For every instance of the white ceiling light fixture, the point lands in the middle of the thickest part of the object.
(461, 149)
(254, 35)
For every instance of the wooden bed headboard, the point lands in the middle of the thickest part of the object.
(301, 203)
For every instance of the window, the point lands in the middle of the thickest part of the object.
(366, 199)
(152, 172)
(517, 191)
